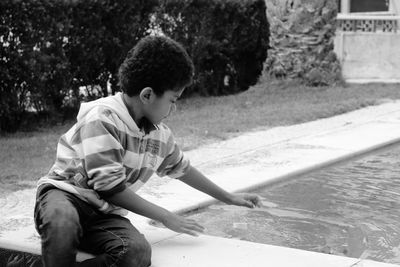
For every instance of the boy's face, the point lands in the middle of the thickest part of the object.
(162, 106)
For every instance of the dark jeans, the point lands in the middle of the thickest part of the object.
(66, 224)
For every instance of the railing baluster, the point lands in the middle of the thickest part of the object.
(368, 23)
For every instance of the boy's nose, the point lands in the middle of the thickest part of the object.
(172, 109)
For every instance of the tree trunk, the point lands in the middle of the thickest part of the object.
(301, 39)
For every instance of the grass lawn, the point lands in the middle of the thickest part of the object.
(27, 156)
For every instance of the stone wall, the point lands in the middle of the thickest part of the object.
(302, 41)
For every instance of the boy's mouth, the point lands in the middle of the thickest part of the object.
(166, 116)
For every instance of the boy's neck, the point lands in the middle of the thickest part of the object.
(133, 104)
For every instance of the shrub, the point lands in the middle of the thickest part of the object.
(50, 48)
(227, 39)
(32, 60)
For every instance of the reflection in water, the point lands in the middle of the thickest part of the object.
(351, 210)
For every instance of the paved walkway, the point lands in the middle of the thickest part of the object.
(249, 161)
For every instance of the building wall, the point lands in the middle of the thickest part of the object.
(369, 57)
(396, 6)
(366, 51)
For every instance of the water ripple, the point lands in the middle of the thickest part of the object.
(351, 210)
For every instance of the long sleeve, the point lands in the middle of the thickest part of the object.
(175, 164)
(97, 143)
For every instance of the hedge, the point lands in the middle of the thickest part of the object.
(51, 49)
(227, 39)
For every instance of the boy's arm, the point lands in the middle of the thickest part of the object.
(197, 180)
(129, 200)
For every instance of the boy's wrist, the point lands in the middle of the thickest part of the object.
(165, 216)
(228, 198)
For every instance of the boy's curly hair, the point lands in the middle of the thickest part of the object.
(157, 62)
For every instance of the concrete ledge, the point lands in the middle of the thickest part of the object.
(213, 251)
(377, 80)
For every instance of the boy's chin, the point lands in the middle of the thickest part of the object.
(158, 121)
(162, 119)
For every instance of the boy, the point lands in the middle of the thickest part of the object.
(117, 143)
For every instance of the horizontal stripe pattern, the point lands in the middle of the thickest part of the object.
(113, 156)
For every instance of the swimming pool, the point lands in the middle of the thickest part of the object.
(351, 210)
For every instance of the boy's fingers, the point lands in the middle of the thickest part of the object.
(189, 231)
(199, 227)
(196, 227)
(247, 203)
(193, 229)
(257, 202)
(250, 204)
(192, 233)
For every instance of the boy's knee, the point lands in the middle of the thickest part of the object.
(56, 210)
(61, 222)
(138, 253)
(64, 216)
(60, 232)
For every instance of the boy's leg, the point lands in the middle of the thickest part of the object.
(58, 222)
(66, 223)
(115, 241)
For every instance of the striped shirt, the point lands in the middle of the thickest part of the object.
(105, 152)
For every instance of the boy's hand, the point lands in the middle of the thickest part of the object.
(245, 200)
(91, 196)
(182, 225)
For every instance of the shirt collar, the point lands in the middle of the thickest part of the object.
(147, 125)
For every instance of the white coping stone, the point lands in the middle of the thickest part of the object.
(220, 252)
(368, 135)
(261, 157)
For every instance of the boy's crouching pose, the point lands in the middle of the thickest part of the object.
(117, 143)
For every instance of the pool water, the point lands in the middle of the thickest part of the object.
(351, 210)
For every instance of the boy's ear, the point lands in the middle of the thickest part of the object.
(147, 95)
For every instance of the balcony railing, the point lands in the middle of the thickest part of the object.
(368, 23)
